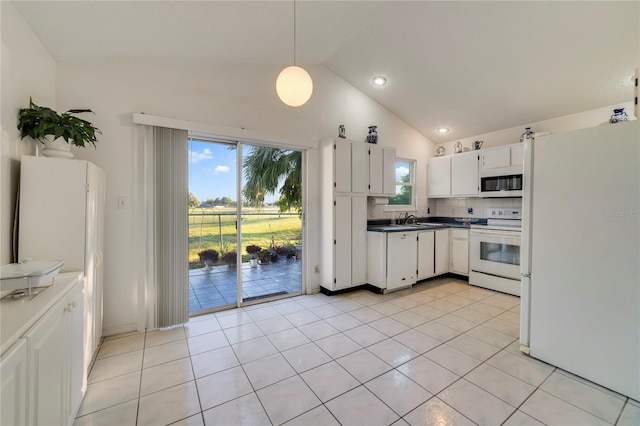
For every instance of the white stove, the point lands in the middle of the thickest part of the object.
(494, 251)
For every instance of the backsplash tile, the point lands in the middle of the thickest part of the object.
(450, 207)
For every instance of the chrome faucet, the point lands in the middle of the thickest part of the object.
(409, 217)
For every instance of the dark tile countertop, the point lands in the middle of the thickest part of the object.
(421, 223)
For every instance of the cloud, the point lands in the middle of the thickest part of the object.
(221, 169)
(195, 157)
(401, 171)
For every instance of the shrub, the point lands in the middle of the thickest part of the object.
(264, 256)
(251, 249)
(281, 251)
(209, 254)
(230, 257)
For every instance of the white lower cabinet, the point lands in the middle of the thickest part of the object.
(442, 251)
(13, 385)
(350, 235)
(460, 251)
(426, 254)
(392, 259)
(56, 353)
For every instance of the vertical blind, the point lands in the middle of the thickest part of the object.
(171, 226)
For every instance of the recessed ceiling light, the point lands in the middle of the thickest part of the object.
(379, 81)
(443, 130)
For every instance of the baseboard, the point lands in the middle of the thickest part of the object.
(125, 328)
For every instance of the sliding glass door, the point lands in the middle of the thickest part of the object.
(245, 227)
(271, 222)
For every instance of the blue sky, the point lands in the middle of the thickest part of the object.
(212, 171)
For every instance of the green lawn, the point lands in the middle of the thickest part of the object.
(208, 227)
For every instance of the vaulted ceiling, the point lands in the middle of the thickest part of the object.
(472, 66)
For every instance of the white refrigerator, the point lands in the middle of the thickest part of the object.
(580, 302)
(62, 217)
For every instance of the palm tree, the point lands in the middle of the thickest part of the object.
(265, 169)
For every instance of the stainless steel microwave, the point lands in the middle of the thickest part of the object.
(500, 185)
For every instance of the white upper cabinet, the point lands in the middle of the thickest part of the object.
(389, 184)
(382, 164)
(342, 167)
(359, 166)
(494, 158)
(350, 166)
(464, 174)
(517, 154)
(501, 158)
(439, 175)
(453, 175)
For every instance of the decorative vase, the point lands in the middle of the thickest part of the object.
(618, 115)
(57, 148)
(457, 148)
(372, 137)
(440, 151)
(477, 145)
(342, 132)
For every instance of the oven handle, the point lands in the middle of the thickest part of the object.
(479, 233)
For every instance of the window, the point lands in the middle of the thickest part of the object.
(405, 198)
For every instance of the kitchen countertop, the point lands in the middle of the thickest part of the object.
(422, 224)
(404, 228)
(17, 316)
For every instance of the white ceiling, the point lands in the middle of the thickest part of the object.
(473, 66)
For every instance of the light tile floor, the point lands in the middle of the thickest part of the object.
(217, 287)
(441, 353)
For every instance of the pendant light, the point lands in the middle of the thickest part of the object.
(294, 85)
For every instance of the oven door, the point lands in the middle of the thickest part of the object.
(495, 252)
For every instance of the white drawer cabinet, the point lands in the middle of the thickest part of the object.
(13, 385)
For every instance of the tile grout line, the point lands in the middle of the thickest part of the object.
(387, 338)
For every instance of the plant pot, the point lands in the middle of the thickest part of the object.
(56, 148)
(207, 264)
(253, 263)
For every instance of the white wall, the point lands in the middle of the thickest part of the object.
(27, 70)
(232, 96)
(581, 120)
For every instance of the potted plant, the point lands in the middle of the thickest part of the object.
(253, 251)
(230, 257)
(208, 257)
(281, 252)
(56, 131)
(264, 256)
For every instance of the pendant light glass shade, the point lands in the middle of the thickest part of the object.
(294, 86)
